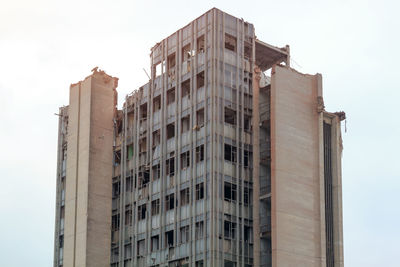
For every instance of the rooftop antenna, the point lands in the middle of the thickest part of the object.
(146, 73)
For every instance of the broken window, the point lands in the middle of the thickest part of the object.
(155, 242)
(200, 153)
(170, 130)
(230, 153)
(142, 212)
(170, 96)
(229, 192)
(156, 138)
(170, 166)
(199, 231)
(230, 42)
(156, 103)
(199, 191)
(169, 238)
(200, 44)
(184, 234)
(169, 202)
(155, 207)
(248, 101)
(185, 196)
(200, 118)
(229, 116)
(200, 80)
(185, 87)
(185, 160)
(185, 124)
(186, 53)
(143, 111)
(247, 123)
(141, 247)
(156, 172)
(144, 177)
(229, 230)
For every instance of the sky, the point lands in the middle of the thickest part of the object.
(45, 45)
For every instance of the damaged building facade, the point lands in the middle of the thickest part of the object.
(211, 163)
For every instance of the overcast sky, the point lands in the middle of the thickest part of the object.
(47, 45)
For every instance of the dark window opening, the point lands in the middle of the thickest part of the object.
(247, 159)
(230, 192)
(169, 238)
(230, 42)
(128, 217)
(229, 230)
(143, 111)
(248, 194)
(185, 160)
(156, 172)
(155, 207)
(144, 177)
(200, 118)
(247, 50)
(248, 234)
(170, 96)
(185, 87)
(200, 44)
(156, 138)
(199, 191)
(170, 202)
(185, 197)
(170, 166)
(230, 153)
(200, 153)
(185, 124)
(156, 103)
(247, 123)
(115, 222)
(171, 61)
(200, 80)
(116, 189)
(142, 212)
(229, 116)
(199, 231)
(170, 130)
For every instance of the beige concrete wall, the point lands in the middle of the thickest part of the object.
(297, 196)
(89, 172)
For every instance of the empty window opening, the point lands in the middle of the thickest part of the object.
(199, 191)
(229, 230)
(230, 42)
(230, 192)
(200, 153)
(186, 53)
(142, 145)
(200, 80)
(170, 166)
(156, 172)
(171, 61)
(115, 222)
(128, 217)
(143, 111)
(155, 207)
(200, 44)
(199, 231)
(247, 159)
(185, 197)
(144, 177)
(170, 130)
(170, 202)
(129, 184)
(184, 234)
(185, 160)
(141, 247)
(156, 103)
(170, 96)
(156, 138)
(247, 123)
(117, 157)
(200, 118)
(228, 263)
(169, 238)
(185, 124)
(116, 189)
(230, 153)
(229, 116)
(185, 86)
(155, 243)
(248, 234)
(142, 212)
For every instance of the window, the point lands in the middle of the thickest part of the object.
(155, 207)
(170, 166)
(141, 247)
(199, 191)
(115, 222)
(248, 234)
(184, 234)
(156, 138)
(247, 123)
(144, 177)
(185, 87)
(230, 153)
(142, 212)
(200, 80)
(230, 116)
(185, 160)
(200, 118)
(170, 96)
(156, 172)
(156, 103)
(169, 238)
(171, 62)
(247, 50)
(128, 217)
(228, 263)
(230, 42)
(170, 202)
(229, 192)
(247, 196)
(199, 232)
(143, 111)
(186, 53)
(142, 145)
(170, 130)
(117, 157)
(155, 243)
(185, 124)
(129, 184)
(128, 251)
(229, 230)
(200, 153)
(116, 190)
(185, 196)
(200, 44)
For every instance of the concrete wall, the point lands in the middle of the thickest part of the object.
(297, 203)
(89, 172)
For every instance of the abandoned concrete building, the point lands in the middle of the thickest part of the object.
(226, 157)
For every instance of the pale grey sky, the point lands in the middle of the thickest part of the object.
(47, 45)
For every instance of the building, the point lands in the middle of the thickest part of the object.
(211, 163)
